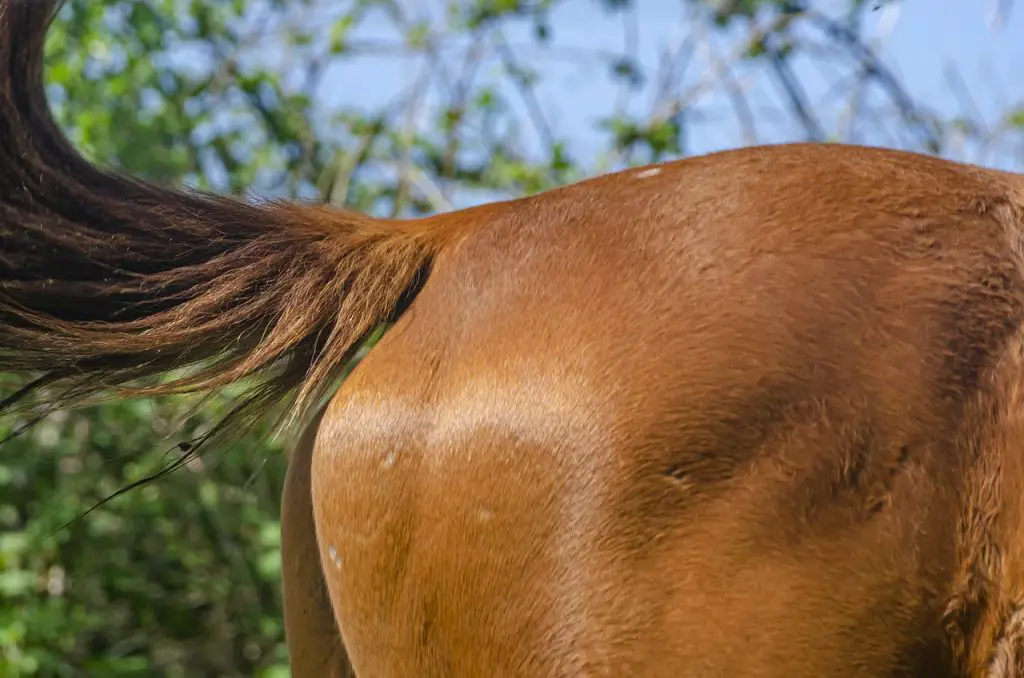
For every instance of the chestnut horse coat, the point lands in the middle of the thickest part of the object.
(750, 414)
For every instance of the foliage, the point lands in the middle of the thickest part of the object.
(177, 578)
(180, 577)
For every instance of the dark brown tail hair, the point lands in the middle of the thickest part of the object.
(109, 284)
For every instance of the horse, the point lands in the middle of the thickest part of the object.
(753, 413)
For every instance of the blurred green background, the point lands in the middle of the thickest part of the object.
(398, 108)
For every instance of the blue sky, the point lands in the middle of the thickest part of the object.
(922, 39)
(948, 55)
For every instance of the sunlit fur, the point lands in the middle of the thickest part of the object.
(756, 413)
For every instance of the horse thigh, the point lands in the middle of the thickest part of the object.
(314, 644)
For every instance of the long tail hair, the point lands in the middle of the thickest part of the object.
(109, 284)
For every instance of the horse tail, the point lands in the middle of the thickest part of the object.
(113, 284)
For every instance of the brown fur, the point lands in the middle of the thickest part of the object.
(757, 413)
(108, 280)
(315, 649)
